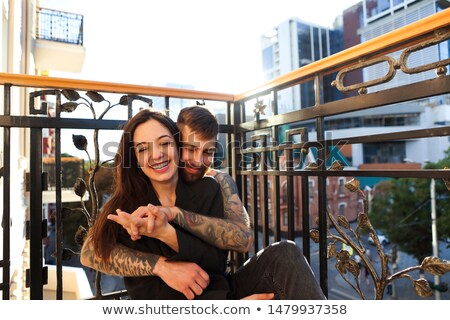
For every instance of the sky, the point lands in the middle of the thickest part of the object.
(211, 45)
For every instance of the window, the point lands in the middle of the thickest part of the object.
(391, 152)
(284, 193)
(341, 185)
(342, 207)
(285, 219)
(311, 189)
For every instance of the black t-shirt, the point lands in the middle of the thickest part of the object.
(203, 197)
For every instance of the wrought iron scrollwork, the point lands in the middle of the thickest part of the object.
(393, 65)
(74, 100)
(345, 264)
(440, 66)
(362, 87)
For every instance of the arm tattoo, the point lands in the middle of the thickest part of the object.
(124, 261)
(231, 233)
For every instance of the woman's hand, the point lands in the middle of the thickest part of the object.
(144, 221)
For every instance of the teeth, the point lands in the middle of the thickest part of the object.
(160, 165)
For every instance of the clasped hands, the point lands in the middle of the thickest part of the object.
(185, 277)
(151, 221)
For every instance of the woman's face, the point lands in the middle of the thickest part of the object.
(156, 151)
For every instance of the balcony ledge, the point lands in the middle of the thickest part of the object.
(58, 56)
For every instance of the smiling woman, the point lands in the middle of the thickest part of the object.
(178, 264)
(157, 156)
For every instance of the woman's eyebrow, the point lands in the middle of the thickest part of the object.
(165, 136)
(157, 139)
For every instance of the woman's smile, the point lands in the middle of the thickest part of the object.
(160, 167)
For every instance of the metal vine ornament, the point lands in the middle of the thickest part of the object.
(81, 187)
(349, 268)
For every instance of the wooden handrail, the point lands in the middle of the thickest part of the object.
(22, 80)
(351, 55)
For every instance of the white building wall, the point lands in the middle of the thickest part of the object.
(286, 64)
(14, 59)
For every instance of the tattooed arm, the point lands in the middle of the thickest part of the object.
(231, 233)
(185, 277)
(124, 261)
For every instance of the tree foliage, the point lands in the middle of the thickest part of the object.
(402, 209)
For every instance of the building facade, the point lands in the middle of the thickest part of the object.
(32, 43)
(295, 43)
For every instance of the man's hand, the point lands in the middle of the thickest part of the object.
(185, 277)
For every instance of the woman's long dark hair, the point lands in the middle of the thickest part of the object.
(131, 184)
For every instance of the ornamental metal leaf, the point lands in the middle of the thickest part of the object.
(352, 185)
(435, 266)
(69, 106)
(95, 96)
(80, 187)
(314, 234)
(80, 235)
(342, 261)
(331, 250)
(336, 166)
(124, 100)
(71, 95)
(343, 222)
(80, 142)
(353, 267)
(363, 220)
(422, 288)
(68, 254)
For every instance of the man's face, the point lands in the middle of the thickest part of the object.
(196, 155)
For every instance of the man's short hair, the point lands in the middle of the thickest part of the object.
(200, 120)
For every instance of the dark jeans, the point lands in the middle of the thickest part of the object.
(280, 268)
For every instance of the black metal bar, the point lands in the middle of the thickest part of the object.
(322, 188)
(305, 216)
(36, 278)
(237, 158)
(264, 191)
(229, 144)
(6, 218)
(63, 123)
(58, 197)
(276, 166)
(290, 194)
(167, 105)
(255, 215)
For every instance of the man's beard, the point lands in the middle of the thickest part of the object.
(189, 177)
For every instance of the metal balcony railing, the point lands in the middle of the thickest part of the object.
(59, 26)
(264, 150)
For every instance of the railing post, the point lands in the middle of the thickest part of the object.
(36, 279)
(322, 189)
(5, 222)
